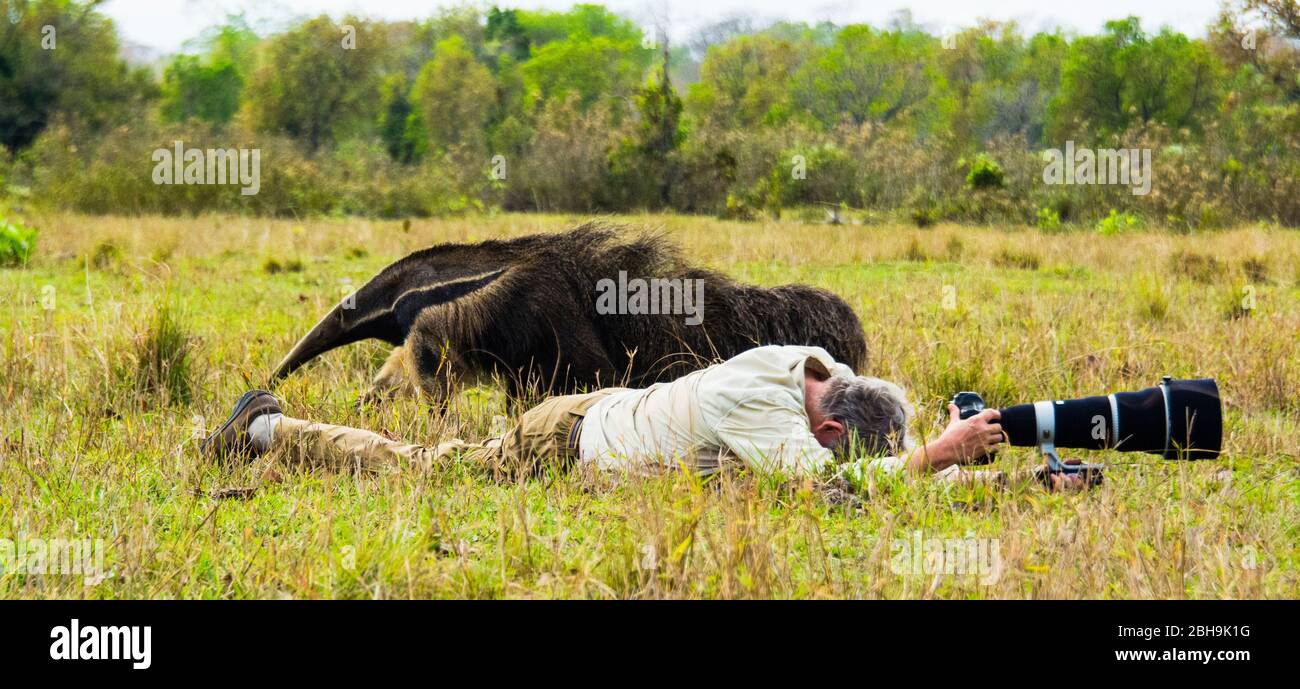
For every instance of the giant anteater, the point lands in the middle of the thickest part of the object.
(525, 309)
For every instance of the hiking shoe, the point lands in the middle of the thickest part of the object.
(232, 437)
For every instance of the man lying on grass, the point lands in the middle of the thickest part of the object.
(786, 409)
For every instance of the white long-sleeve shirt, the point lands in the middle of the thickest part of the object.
(750, 406)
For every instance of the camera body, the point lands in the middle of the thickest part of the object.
(968, 403)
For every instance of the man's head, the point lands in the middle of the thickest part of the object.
(859, 415)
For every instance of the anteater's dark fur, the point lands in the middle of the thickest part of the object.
(526, 308)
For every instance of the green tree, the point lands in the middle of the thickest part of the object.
(588, 51)
(644, 164)
(511, 124)
(394, 114)
(454, 96)
(745, 82)
(1125, 75)
(582, 21)
(1263, 35)
(207, 91)
(503, 27)
(594, 68)
(315, 84)
(209, 85)
(868, 75)
(232, 42)
(70, 70)
(1001, 83)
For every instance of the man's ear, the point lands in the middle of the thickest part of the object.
(828, 432)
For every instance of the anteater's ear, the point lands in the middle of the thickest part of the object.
(385, 308)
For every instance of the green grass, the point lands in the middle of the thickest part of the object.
(146, 346)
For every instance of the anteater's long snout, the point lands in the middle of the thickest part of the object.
(383, 308)
(327, 334)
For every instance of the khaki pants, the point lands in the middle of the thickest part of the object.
(545, 433)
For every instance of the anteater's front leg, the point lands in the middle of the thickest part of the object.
(397, 378)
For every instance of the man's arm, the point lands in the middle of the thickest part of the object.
(768, 435)
(961, 442)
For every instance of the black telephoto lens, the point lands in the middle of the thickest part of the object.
(1178, 419)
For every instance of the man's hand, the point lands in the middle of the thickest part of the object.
(970, 439)
(963, 441)
(1056, 482)
(1068, 482)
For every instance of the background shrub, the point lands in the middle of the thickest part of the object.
(17, 242)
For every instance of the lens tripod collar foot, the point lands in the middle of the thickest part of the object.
(1091, 473)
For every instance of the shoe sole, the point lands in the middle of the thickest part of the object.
(240, 406)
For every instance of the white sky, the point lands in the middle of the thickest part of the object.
(166, 25)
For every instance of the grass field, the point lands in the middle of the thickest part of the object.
(99, 439)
